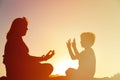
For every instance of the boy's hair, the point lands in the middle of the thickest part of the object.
(89, 37)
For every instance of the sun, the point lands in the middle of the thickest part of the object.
(63, 65)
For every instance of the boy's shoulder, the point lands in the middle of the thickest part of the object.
(89, 50)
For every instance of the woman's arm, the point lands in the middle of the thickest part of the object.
(42, 58)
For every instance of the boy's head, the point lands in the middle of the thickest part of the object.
(87, 39)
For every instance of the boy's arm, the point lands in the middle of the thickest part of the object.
(74, 48)
(70, 50)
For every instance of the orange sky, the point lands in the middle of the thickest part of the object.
(52, 23)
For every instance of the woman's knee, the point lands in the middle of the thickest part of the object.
(50, 67)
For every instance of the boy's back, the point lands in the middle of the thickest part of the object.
(87, 62)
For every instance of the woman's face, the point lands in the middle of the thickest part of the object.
(24, 30)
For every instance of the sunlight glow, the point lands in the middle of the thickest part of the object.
(63, 65)
(53, 22)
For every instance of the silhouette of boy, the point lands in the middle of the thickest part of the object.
(19, 64)
(86, 58)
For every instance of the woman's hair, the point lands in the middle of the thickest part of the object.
(17, 25)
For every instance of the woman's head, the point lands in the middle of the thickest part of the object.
(87, 39)
(18, 27)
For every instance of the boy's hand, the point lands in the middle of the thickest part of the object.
(68, 43)
(74, 43)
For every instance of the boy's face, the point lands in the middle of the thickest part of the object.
(85, 43)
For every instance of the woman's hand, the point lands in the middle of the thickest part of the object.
(49, 55)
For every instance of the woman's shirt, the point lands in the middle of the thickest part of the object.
(16, 51)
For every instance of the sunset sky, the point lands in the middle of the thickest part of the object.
(53, 22)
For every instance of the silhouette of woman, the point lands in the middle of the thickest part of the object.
(86, 58)
(19, 64)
